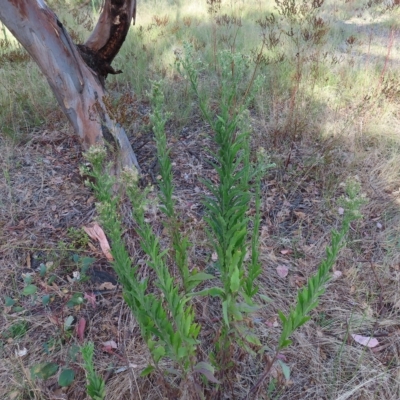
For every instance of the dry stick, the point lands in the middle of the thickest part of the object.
(289, 156)
(389, 50)
(381, 287)
(254, 390)
(233, 47)
(292, 103)
(370, 37)
(253, 76)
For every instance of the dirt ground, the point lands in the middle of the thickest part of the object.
(43, 196)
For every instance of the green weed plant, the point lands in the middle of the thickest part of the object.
(163, 307)
(95, 387)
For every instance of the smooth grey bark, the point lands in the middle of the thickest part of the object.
(76, 74)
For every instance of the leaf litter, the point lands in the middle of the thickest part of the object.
(48, 198)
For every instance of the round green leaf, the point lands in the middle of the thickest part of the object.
(30, 289)
(9, 301)
(75, 300)
(66, 377)
(44, 370)
(46, 299)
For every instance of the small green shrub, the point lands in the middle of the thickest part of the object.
(163, 308)
(95, 387)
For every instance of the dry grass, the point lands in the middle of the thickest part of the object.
(349, 127)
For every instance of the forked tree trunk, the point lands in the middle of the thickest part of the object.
(76, 74)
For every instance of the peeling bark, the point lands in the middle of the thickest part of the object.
(112, 28)
(76, 74)
(108, 36)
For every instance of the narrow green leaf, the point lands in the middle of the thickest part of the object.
(200, 276)
(282, 316)
(253, 339)
(214, 292)
(225, 312)
(285, 369)
(68, 322)
(237, 315)
(246, 308)
(207, 370)
(43, 270)
(147, 371)
(158, 353)
(265, 298)
(182, 352)
(174, 371)
(285, 343)
(303, 321)
(235, 280)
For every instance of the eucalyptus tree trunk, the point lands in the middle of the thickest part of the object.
(76, 73)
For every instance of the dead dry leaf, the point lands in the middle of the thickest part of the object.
(80, 329)
(282, 270)
(365, 340)
(110, 343)
(54, 320)
(14, 395)
(123, 369)
(107, 286)
(397, 304)
(272, 322)
(286, 251)
(91, 298)
(109, 346)
(337, 274)
(21, 352)
(96, 233)
(300, 214)
(281, 357)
